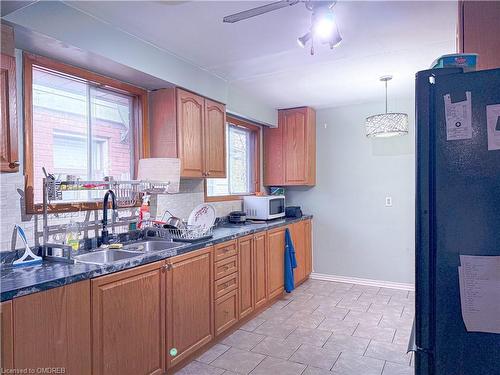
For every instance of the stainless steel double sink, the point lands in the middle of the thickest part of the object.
(129, 251)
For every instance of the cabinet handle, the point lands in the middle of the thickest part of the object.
(208, 173)
(226, 312)
(14, 164)
(167, 267)
(226, 268)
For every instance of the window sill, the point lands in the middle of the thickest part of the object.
(226, 198)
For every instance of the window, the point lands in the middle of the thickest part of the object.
(81, 125)
(243, 159)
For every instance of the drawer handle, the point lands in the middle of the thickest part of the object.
(226, 312)
(226, 268)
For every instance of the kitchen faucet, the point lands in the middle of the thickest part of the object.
(104, 233)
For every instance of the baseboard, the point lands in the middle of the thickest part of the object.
(356, 280)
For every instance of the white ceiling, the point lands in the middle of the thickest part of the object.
(261, 55)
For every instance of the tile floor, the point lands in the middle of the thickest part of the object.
(322, 328)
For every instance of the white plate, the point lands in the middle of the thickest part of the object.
(202, 216)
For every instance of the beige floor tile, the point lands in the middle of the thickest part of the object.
(239, 361)
(339, 327)
(310, 370)
(316, 337)
(273, 329)
(351, 364)
(346, 343)
(243, 340)
(389, 352)
(198, 368)
(394, 292)
(375, 333)
(395, 369)
(355, 305)
(395, 322)
(274, 347)
(363, 317)
(306, 319)
(276, 366)
(314, 356)
(211, 354)
(251, 325)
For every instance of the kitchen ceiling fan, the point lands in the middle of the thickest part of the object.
(323, 26)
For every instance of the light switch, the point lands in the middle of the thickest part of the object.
(388, 201)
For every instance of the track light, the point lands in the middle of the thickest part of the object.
(304, 39)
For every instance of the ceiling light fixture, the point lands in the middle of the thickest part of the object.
(323, 27)
(388, 124)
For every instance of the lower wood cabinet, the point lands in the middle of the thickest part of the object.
(52, 329)
(226, 312)
(7, 340)
(260, 269)
(309, 247)
(128, 321)
(298, 233)
(276, 264)
(190, 317)
(246, 270)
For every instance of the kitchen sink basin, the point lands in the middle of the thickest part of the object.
(151, 245)
(106, 256)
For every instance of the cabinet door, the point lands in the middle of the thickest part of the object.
(128, 322)
(226, 312)
(7, 340)
(190, 319)
(309, 248)
(299, 243)
(260, 269)
(295, 146)
(273, 155)
(478, 30)
(9, 161)
(52, 329)
(215, 139)
(276, 261)
(190, 118)
(245, 253)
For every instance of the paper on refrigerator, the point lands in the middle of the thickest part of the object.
(493, 123)
(479, 278)
(458, 118)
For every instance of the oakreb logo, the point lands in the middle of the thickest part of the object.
(460, 60)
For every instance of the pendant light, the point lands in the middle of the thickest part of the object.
(388, 124)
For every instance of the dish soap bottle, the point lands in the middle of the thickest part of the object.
(144, 211)
(72, 235)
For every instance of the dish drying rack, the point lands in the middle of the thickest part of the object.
(127, 192)
(191, 233)
(127, 195)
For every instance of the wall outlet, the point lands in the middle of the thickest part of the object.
(388, 201)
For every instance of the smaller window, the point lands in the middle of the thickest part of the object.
(243, 159)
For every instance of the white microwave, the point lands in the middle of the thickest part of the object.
(264, 207)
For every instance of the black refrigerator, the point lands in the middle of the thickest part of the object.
(457, 213)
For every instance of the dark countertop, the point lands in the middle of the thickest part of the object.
(20, 281)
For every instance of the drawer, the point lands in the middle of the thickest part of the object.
(226, 313)
(226, 284)
(225, 250)
(226, 267)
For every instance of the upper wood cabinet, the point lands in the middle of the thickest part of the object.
(190, 127)
(190, 317)
(9, 159)
(128, 321)
(215, 139)
(290, 149)
(479, 30)
(52, 329)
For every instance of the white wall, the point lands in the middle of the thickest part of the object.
(355, 235)
(79, 34)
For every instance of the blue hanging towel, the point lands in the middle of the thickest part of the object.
(290, 262)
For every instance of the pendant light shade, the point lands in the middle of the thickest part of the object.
(388, 124)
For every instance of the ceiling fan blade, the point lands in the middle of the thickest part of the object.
(259, 10)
